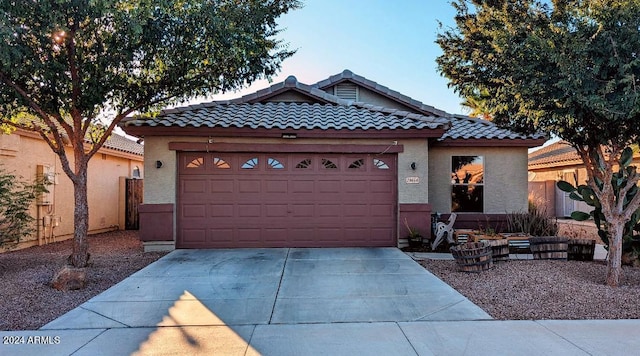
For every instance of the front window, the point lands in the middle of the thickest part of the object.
(467, 180)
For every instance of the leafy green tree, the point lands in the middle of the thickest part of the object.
(64, 64)
(477, 105)
(567, 67)
(16, 197)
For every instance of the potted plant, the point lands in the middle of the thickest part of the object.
(413, 235)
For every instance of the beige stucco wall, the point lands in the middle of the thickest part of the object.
(21, 153)
(505, 177)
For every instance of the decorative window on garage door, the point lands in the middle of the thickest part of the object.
(357, 164)
(196, 163)
(250, 163)
(329, 164)
(220, 163)
(273, 163)
(304, 164)
(380, 164)
(467, 180)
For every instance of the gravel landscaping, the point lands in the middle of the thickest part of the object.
(544, 289)
(517, 289)
(28, 302)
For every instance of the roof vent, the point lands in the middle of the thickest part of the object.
(347, 91)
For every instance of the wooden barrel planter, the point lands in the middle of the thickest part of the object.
(473, 256)
(499, 250)
(548, 248)
(581, 249)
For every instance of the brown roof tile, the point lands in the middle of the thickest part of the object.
(290, 116)
(123, 144)
(464, 127)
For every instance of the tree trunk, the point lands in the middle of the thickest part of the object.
(80, 255)
(614, 260)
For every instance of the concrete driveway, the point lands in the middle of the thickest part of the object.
(300, 302)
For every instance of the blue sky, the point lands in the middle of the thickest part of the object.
(390, 42)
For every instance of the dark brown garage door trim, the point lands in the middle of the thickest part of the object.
(282, 148)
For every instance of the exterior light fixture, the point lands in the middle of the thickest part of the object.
(413, 165)
(158, 164)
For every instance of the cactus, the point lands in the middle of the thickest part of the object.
(585, 194)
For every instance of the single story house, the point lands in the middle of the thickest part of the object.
(552, 163)
(24, 154)
(342, 162)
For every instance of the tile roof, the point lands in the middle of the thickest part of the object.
(556, 154)
(291, 83)
(123, 144)
(464, 127)
(381, 89)
(328, 112)
(290, 115)
(559, 154)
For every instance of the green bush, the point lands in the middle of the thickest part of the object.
(15, 198)
(535, 222)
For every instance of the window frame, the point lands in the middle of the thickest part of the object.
(466, 186)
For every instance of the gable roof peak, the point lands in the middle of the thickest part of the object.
(348, 75)
(291, 81)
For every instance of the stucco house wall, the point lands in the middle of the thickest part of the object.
(21, 152)
(505, 171)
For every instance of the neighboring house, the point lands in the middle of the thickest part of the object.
(342, 162)
(550, 164)
(25, 154)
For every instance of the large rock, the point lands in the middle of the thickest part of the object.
(69, 278)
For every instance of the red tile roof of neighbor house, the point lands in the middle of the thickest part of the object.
(326, 111)
(120, 143)
(558, 154)
(554, 155)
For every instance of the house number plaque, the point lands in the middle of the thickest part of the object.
(412, 180)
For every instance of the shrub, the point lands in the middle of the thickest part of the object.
(535, 222)
(15, 198)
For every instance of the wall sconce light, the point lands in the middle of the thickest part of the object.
(413, 165)
(158, 164)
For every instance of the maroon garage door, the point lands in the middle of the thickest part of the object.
(286, 200)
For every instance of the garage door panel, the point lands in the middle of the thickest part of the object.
(249, 186)
(380, 234)
(381, 210)
(381, 186)
(275, 235)
(249, 210)
(356, 186)
(221, 210)
(276, 186)
(302, 210)
(357, 234)
(194, 186)
(302, 186)
(265, 200)
(251, 235)
(222, 185)
(330, 234)
(356, 210)
(276, 210)
(301, 234)
(329, 186)
(194, 235)
(194, 211)
(328, 210)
